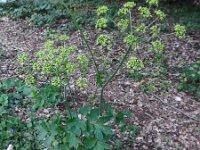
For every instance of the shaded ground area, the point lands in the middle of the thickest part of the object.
(162, 126)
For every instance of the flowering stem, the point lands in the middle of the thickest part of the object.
(65, 99)
(111, 77)
(86, 42)
(130, 22)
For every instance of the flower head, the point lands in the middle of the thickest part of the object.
(152, 2)
(56, 81)
(161, 15)
(102, 10)
(144, 12)
(130, 40)
(134, 64)
(157, 46)
(141, 28)
(22, 58)
(123, 11)
(103, 40)
(101, 23)
(123, 24)
(82, 83)
(129, 5)
(155, 30)
(180, 31)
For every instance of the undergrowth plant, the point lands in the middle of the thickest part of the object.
(57, 64)
(142, 35)
(190, 79)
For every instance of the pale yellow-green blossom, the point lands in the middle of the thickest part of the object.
(102, 10)
(134, 64)
(180, 31)
(101, 23)
(144, 12)
(129, 5)
(82, 83)
(161, 15)
(157, 46)
(123, 24)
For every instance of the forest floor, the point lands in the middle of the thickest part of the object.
(162, 115)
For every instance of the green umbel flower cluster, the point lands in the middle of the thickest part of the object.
(157, 46)
(102, 10)
(144, 12)
(103, 40)
(22, 58)
(56, 81)
(152, 2)
(101, 23)
(130, 40)
(180, 31)
(123, 11)
(123, 24)
(29, 79)
(84, 62)
(155, 30)
(51, 61)
(82, 83)
(161, 15)
(134, 64)
(129, 5)
(141, 28)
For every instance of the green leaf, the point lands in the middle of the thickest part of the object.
(108, 109)
(4, 100)
(118, 144)
(94, 114)
(85, 110)
(27, 91)
(98, 133)
(74, 141)
(104, 119)
(119, 117)
(102, 146)
(99, 80)
(90, 142)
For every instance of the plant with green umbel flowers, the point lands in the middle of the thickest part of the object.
(54, 65)
(180, 31)
(50, 62)
(145, 33)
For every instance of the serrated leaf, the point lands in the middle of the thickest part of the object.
(94, 114)
(85, 110)
(90, 142)
(104, 119)
(74, 141)
(98, 133)
(4, 100)
(102, 146)
(99, 80)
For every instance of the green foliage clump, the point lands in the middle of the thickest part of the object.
(90, 127)
(81, 129)
(191, 79)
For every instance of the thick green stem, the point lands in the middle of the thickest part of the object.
(130, 22)
(111, 77)
(65, 99)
